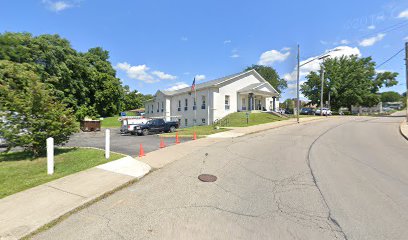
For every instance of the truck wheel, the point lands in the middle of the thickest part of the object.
(132, 133)
(145, 132)
(172, 129)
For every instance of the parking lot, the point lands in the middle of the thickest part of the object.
(126, 144)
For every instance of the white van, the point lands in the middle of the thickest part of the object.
(128, 123)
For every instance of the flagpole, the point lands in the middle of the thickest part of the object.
(195, 110)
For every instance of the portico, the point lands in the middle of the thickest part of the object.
(257, 96)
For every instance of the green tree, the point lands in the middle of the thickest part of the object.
(270, 75)
(350, 81)
(390, 96)
(29, 111)
(77, 79)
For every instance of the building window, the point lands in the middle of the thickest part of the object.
(185, 104)
(203, 102)
(194, 104)
(243, 107)
(179, 121)
(162, 109)
(203, 120)
(227, 102)
(158, 107)
(185, 122)
(179, 106)
(152, 109)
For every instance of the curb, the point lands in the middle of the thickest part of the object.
(405, 135)
(64, 216)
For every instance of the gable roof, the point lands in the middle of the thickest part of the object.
(219, 81)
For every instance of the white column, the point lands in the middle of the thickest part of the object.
(107, 143)
(50, 156)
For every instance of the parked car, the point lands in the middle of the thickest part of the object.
(3, 142)
(288, 111)
(155, 126)
(326, 112)
(128, 124)
(307, 111)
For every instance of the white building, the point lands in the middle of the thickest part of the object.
(245, 91)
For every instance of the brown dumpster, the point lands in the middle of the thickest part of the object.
(90, 125)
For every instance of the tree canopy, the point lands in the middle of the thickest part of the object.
(390, 96)
(270, 75)
(349, 80)
(85, 82)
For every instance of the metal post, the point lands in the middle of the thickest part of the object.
(321, 89)
(107, 143)
(297, 84)
(50, 156)
(406, 76)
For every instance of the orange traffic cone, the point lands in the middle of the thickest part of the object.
(195, 136)
(177, 138)
(141, 151)
(162, 145)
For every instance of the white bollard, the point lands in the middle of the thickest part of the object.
(107, 143)
(50, 156)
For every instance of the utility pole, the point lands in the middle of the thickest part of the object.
(297, 84)
(321, 89)
(406, 77)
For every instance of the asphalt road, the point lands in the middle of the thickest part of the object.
(344, 178)
(126, 144)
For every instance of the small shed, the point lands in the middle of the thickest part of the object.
(90, 125)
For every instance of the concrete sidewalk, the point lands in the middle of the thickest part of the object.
(25, 212)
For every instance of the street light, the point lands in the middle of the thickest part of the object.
(298, 76)
(322, 80)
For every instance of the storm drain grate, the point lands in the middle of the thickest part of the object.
(207, 178)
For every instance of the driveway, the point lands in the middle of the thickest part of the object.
(126, 144)
(345, 178)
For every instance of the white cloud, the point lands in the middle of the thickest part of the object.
(315, 65)
(227, 41)
(323, 42)
(382, 70)
(141, 72)
(163, 75)
(344, 41)
(199, 77)
(372, 40)
(184, 39)
(406, 38)
(235, 55)
(371, 27)
(403, 14)
(269, 57)
(186, 73)
(177, 86)
(285, 49)
(57, 6)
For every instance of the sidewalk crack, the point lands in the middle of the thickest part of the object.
(64, 191)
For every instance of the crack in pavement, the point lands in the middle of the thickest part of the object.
(308, 161)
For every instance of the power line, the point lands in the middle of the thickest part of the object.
(390, 58)
(387, 29)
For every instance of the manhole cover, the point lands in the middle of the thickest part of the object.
(207, 178)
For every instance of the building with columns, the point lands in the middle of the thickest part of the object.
(213, 100)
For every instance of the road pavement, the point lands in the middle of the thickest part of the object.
(344, 178)
(125, 144)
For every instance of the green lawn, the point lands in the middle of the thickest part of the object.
(239, 119)
(200, 131)
(18, 171)
(111, 122)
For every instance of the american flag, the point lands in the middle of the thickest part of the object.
(193, 85)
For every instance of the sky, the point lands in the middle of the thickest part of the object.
(162, 44)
